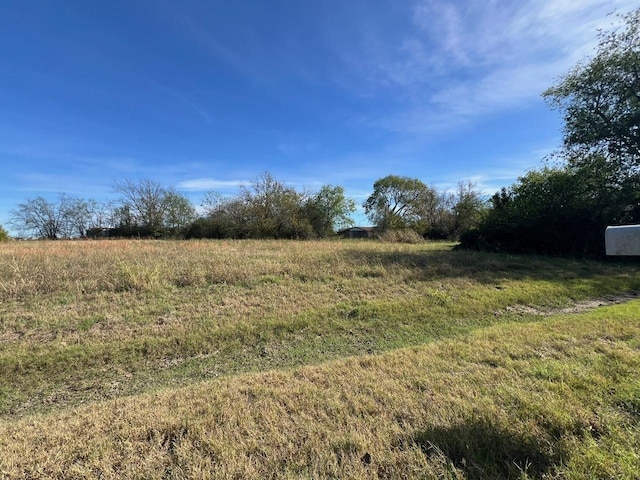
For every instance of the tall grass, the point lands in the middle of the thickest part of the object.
(557, 399)
(83, 323)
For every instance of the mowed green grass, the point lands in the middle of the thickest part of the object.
(227, 360)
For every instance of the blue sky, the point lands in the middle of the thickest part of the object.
(207, 95)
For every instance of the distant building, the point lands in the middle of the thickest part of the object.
(357, 232)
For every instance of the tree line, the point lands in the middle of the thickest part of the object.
(267, 208)
(145, 208)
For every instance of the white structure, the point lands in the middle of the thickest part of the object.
(623, 240)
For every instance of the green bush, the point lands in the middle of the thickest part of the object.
(559, 211)
(4, 235)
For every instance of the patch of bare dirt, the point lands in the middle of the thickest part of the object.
(578, 307)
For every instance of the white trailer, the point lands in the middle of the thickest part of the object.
(622, 240)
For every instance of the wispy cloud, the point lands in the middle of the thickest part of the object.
(71, 154)
(461, 61)
(206, 183)
(41, 183)
(183, 99)
(501, 172)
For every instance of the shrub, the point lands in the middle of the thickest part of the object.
(562, 211)
(4, 235)
(400, 235)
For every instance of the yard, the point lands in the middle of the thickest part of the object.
(350, 359)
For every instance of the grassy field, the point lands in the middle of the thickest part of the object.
(243, 359)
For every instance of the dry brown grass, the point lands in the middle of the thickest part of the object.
(514, 401)
(85, 322)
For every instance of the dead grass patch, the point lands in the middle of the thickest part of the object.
(477, 407)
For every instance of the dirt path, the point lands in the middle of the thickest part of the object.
(578, 307)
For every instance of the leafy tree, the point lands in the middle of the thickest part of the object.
(233, 218)
(121, 218)
(147, 208)
(566, 210)
(401, 202)
(440, 222)
(269, 209)
(218, 221)
(212, 201)
(265, 209)
(454, 213)
(224, 218)
(600, 100)
(4, 235)
(468, 209)
(560, 211)
(179, 211)
(329, 210)
(272, 210)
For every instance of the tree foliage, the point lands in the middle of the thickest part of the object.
(400, 202)
(270, 209)
(146, 208)
(329, 210)
(558, 211)
(179, 212)
(403, 202)
(565, 210)
(4, 235)
(469, 208)
(267, 208)
(600, 99)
